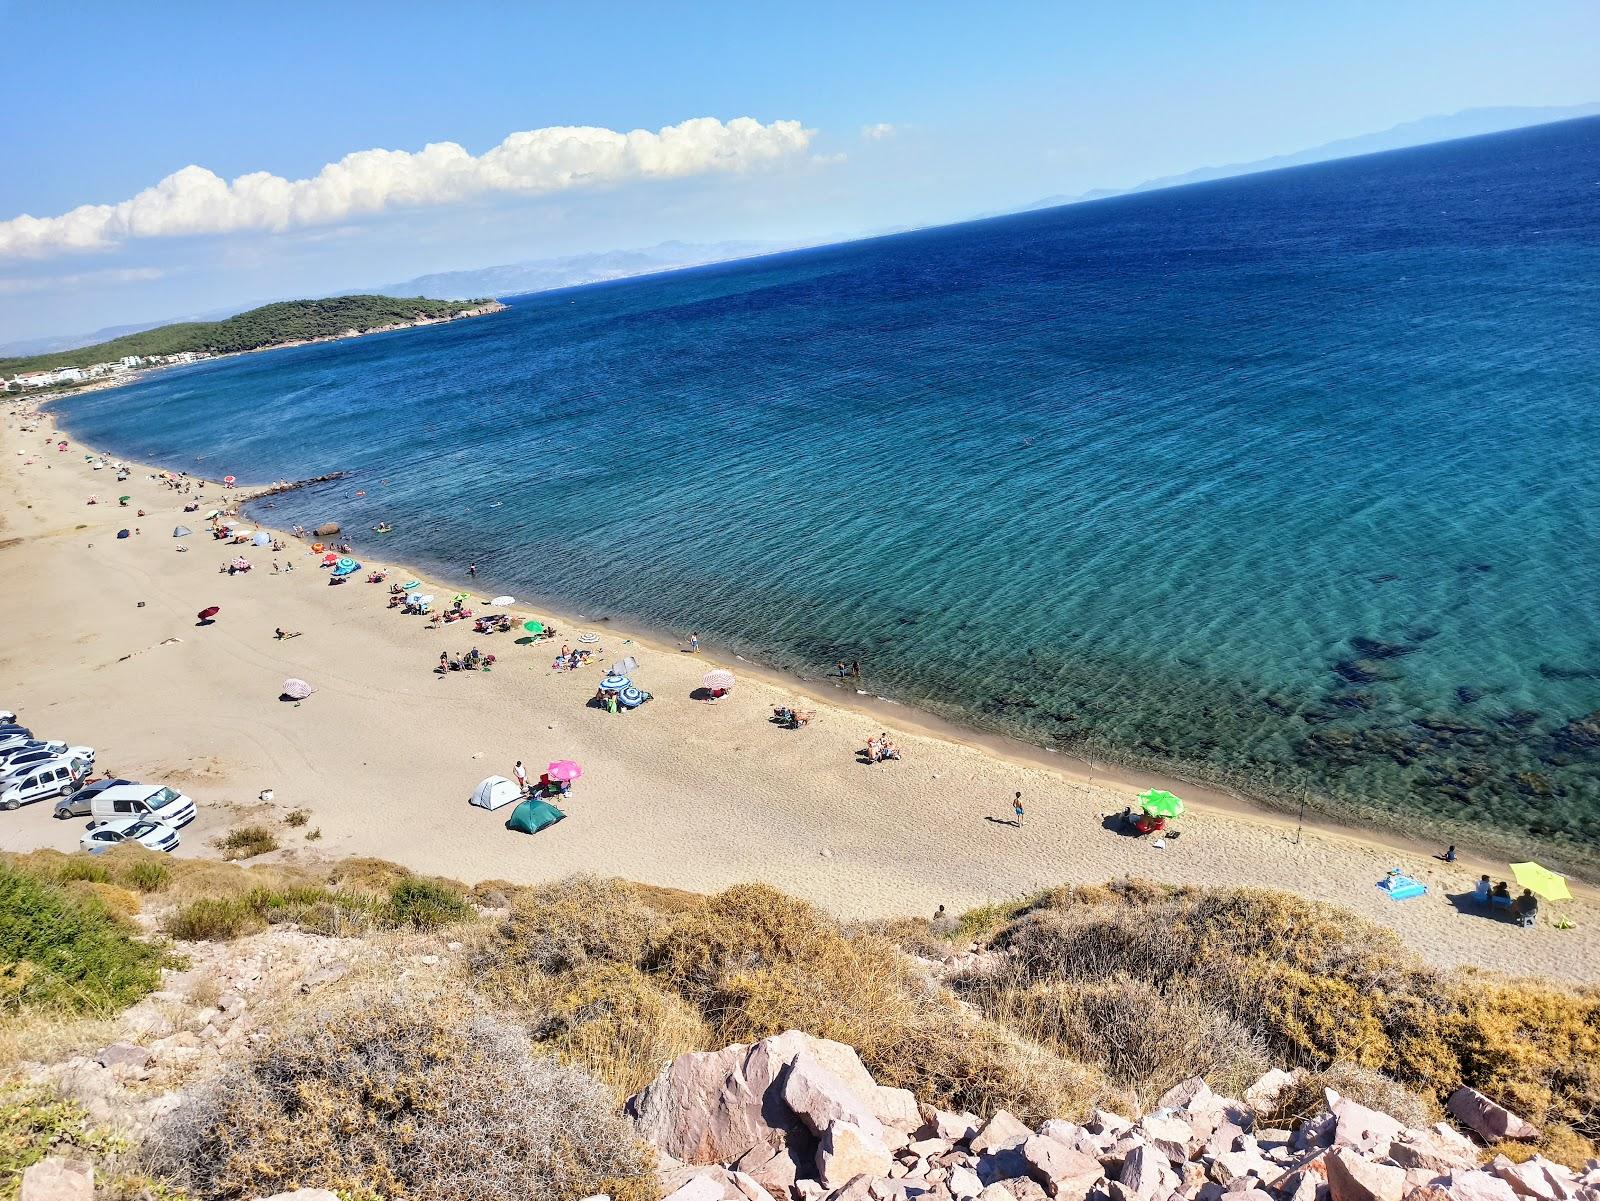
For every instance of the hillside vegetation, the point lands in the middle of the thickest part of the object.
(269, 325)
(549, 1005)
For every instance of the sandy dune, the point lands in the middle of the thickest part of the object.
(680, 793)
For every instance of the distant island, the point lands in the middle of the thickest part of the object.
(286, 323)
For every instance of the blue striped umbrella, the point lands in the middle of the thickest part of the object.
(348, 563)
(630, 697)
(614, 683)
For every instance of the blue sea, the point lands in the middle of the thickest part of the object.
(1288, 482)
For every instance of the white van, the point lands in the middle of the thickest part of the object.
(166, 805)
(54, 778)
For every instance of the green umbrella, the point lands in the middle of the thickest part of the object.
(1160, 803)
(533, 627)
(124, 499)
(1552, 886)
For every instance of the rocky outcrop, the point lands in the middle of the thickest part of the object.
(796, 1118)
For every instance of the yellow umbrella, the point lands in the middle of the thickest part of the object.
(1552, 886)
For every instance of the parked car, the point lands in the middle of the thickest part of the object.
(24, 760)
(77, 805)
(148, 800)
(11, 735)
(56, 777)
(11, 750)
(158, 836)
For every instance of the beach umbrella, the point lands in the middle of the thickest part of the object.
(589, 638)
(1552, 886)
(242, 563)
(209, 612)
(564, 769)
(624, 667)
(458, 598)
(181, 531)
(262, 538)
(614, 683)
(329, 559)
(227, 479)
(346, 562)
(214, 514)
(297, 690)
(533, 627)
(503, 600)
(718, 679)
(630, 697)
(122, 500)
(1160, 803)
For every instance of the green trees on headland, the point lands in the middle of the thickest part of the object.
(269, 325)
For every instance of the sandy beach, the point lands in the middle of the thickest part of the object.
(102, 647)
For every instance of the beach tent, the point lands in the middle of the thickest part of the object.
(1541, 881)
(122, 533)
(532, 816)
(495, 793)
(181, 531)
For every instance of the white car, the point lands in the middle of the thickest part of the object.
(15, 747)
(166, 805)
(56, 777)
(20, 761)
(158, 836)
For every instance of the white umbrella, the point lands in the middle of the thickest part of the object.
(718, 678)
(504, 600)
(297, 689)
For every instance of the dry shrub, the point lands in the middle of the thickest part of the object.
(562, 926)
(213, 919)
(372, 875)
(123, 902)
(419, 1097)
(610, 1020)
(1143, 1039)
(1306, 1097)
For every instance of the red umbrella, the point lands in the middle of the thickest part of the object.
(208, 613)
(227, 479)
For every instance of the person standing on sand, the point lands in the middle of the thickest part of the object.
(522, 777)
(1016, 810)
(694, 643)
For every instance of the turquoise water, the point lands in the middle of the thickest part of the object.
(1288, 481)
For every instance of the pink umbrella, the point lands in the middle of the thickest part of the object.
(329, 559)
(564, 770)
(228, 479)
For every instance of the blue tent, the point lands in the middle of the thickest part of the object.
(533, 815)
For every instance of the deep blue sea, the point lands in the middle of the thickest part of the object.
(1289, 481)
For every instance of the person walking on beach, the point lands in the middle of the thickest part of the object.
(694, 643)
(1016, 810)
(522, 777)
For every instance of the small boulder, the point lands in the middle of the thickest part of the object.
(124, 1055)
(952, 1127)
(1263, 1095)
(1169, 1135)
(1360, 1127)
(819, 1099)
(1063, 1171)
(1479, 1185)
(847, 1151)
(58, 1179)
(998, 1133)
(1352, 1178)
(1145, 1174)
(963, 1183)
(1193, 1093)
(1485, 1118)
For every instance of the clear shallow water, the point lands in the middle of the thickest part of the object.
(1137, 475)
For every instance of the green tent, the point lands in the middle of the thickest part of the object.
(531, 816)
(1158, 802)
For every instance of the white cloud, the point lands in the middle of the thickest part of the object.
(197, 201)
(877, 132)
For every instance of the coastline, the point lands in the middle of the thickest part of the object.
(680, 793)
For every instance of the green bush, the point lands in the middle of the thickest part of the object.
(213, 919)
(146, 875)
(247, 842)
(68, 949)
(426, 904)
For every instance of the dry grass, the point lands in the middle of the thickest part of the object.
(423, 1097)
(1302, 984)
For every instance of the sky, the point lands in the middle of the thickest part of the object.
(556, 129)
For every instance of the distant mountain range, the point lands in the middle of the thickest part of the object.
(544, 275)
(1466, 124)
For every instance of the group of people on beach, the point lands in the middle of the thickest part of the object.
(569, 659)
(1524, 909)
(880, 748)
